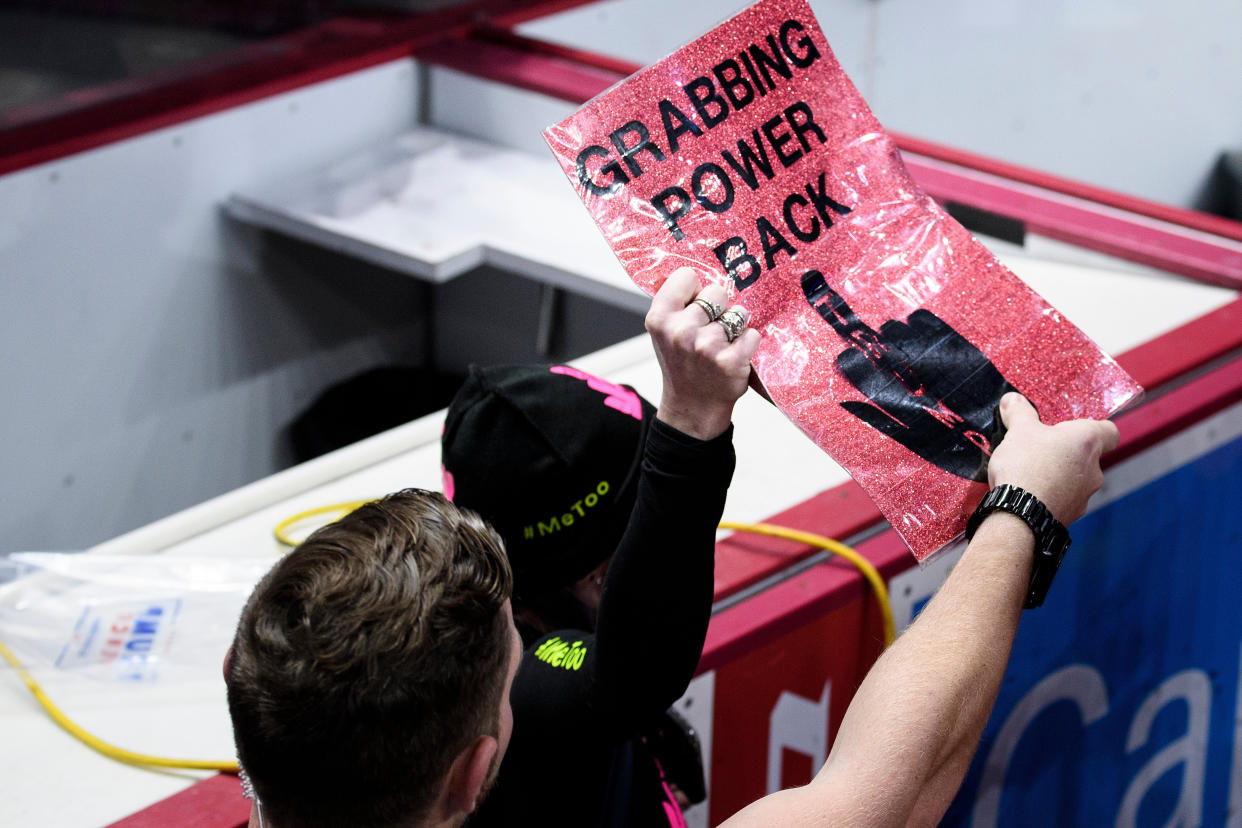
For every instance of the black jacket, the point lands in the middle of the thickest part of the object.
(582, 702)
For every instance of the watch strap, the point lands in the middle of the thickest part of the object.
(1052, 539)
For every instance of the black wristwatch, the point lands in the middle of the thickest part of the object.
(1051, 537)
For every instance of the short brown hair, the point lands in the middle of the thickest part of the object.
(367, 659)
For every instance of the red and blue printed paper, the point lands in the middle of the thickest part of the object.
(889, 332)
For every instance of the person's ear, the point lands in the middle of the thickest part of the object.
(469, 774)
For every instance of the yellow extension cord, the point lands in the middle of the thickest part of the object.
(129, 757)
(341, 509)
(864, 566)
(281, 532)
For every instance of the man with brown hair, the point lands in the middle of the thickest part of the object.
(369, 684)
(369, 679)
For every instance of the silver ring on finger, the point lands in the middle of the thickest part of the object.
(734, 322)
(710, 308)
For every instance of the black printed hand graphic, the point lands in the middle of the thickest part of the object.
(930, 389)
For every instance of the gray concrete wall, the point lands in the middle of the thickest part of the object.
(153, 351)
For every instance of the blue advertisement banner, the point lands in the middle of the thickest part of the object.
(1121, 703)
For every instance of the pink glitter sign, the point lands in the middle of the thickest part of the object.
(889, 332)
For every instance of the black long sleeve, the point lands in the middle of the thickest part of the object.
(579, 699)
(657, 597)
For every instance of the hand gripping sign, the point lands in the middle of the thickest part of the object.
(889, 333)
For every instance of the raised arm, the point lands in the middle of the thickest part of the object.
(657, 595)
(909, 733)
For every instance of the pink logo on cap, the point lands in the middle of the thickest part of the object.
(615, 396)
(447, 478)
